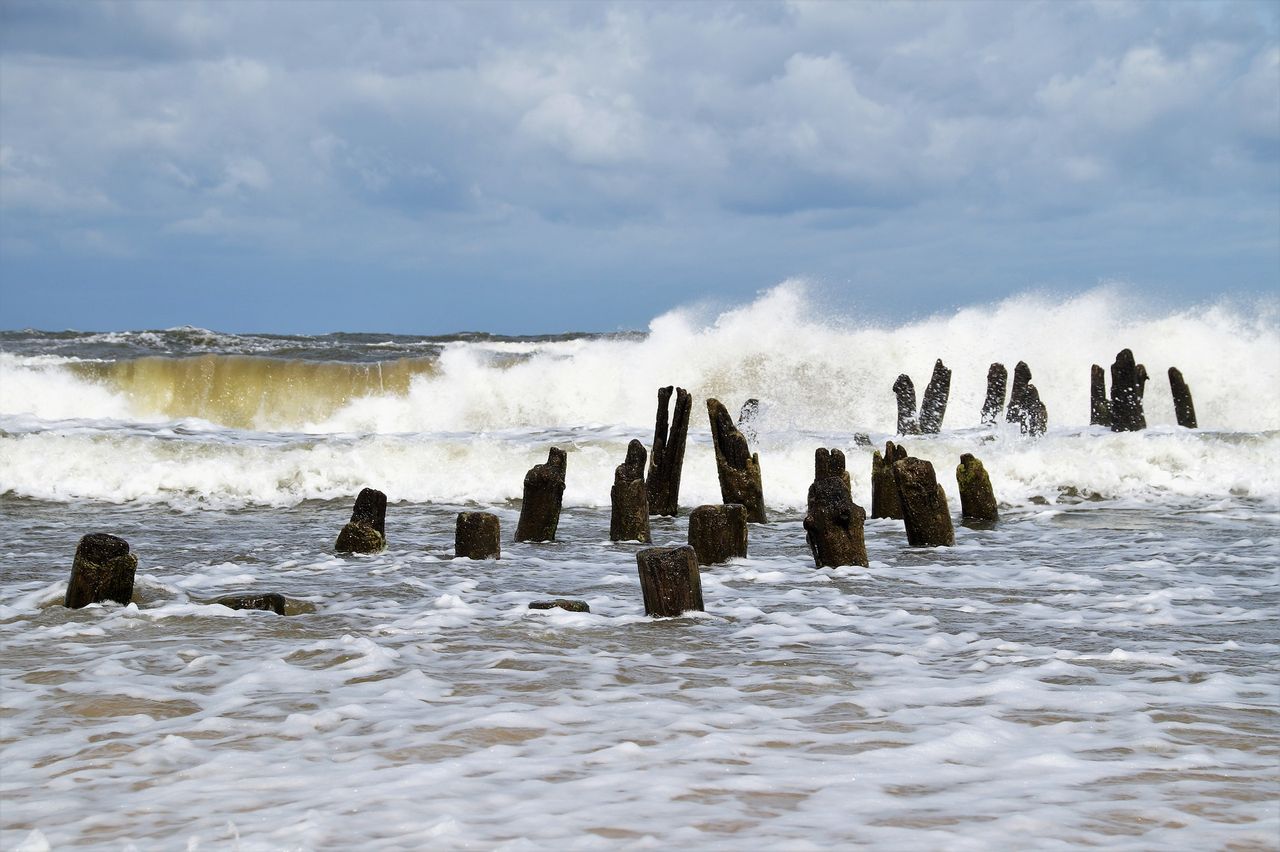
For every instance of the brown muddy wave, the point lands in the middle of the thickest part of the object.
(251, 392)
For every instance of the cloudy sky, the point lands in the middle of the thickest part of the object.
(304, 166)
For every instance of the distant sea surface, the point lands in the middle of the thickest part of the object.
(1097, 670)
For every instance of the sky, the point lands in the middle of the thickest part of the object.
(535, 167)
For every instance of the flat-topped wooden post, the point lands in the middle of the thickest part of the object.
(102, 570)
(718, 533)
(885, 500)
(737, 467)
(477, 535)
(662, 486)
(669, 581)
(543, 494)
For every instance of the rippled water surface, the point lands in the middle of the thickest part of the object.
(1087, 674)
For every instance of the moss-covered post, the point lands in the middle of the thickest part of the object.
(738, 468)
(366, 532)
(718, 533)
(477, 535)
(662, 486)
(629, 518)
(885, 501)
(669, 581)
(833, 525)
(102, 570)
(924, 505)
(543, 493)
(977, 500)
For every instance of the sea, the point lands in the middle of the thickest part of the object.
(1096, 670)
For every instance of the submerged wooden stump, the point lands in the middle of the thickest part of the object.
(543, 493)
(737, 467)
(1099, 407)
(1183, 407)
(102, 570)
(905, 391)
(561, 603)
(833, 523)
(669, 580)
(977, 500)
(629, 518)
(662, 486)
(885, 501)
(1128, 382)
(924, 505)
(366, 532)
(993, 405)
(933, 405)
(718, 533)
(477, 535)
(267, 602)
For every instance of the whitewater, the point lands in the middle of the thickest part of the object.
(1096, 670)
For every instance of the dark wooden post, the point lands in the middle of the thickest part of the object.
(543, 493)
(977, 500)
(833, 524)
(366, 531)
(905, 391)
(993, 405)
(933, 405)
(669, 580)
(885, 501)
(924, 505)
(102, 570)
(747, 418)
(629, 519)
(667, 459)
(1128, 381)
(477, 535)
(718, 533)
(737, 467)
(1099, 408)
(267, 602)
(1183, 408)
(1035, 416)
(1018, 393)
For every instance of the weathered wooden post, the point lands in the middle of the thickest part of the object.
(905, 391)
(1183, 408)
(477, 535)
(1128, 381)
(567, 604)
(669, 580)
(102, 570)
(1099, 408)
(933, 405)
(1018, 393)
(366, 532)
(1035, 416)
(833, 524)
(629, 519)
(977, 500)
(737, 467)
(993, 405)
(667, 459)
(543, 493)
(747, 418)
(267, 602)
(885, 501)
(924, 505)
(718, 533)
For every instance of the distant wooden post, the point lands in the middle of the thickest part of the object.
(629, 518)
(737, 467)
(1128, 382)
(833, 525)
(993, 405)
(885, 501)
(905, 391)
(669, 580)
(477, 535)
(718, 533)
(924, 505)
(662, 486)
(1099, 407)
(977, 500)
(366, 532)
(933, 405)
(1183, 407)
(543, 493)
(102, 570)
(1025, 407)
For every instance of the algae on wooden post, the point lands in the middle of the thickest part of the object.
(543, 493)
(924, 504)
(737, 467)
(833, 525)
(977, 500)
(629, 514)
(102, 570)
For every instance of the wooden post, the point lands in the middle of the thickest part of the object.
(629, 518)
(885, 500)
(1099, 408)
(718, 533)
(738, 469)
(747, 418)
(268, 602)
(477, 535)
(906, 394)
(933, 405)
(669, 581)
(1035, 417)
(1128, 382)
(662, 486)
(977, 500)
(102, 570)
(1183, 408)
(366, 531)
(1018, 393)
(543, 493)
(833, 524)
(924, 505)
(993, 405)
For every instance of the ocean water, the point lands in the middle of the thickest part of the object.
(1097, 670)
